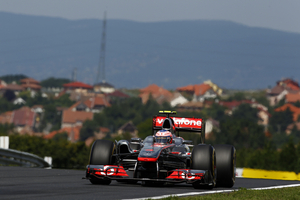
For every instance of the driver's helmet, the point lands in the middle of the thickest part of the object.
(164, 137)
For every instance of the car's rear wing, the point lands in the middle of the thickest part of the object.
(184, 124)
(181, 123)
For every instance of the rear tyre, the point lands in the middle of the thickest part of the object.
(101, 154)
(226, 165)
(203, 158)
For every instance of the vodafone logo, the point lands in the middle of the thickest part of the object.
(182, 121)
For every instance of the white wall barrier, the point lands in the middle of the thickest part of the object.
(4, 142)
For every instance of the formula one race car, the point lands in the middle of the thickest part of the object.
(164, 157)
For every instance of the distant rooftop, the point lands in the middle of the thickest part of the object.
(104, 84)
(77, 85)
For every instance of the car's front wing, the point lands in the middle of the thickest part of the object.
(114, 172)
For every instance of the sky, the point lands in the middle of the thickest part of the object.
(274, 14)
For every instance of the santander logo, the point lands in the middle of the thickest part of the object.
(182, 122)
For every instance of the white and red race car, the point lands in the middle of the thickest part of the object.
(164, 157)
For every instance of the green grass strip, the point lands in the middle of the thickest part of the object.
(291, 193)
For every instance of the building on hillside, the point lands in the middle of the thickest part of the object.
(77, 87)
(295, 110)
(128, 128)
(289, 83)
(13, 87)
(178, 99)
(159, 94)
(104, 87)
(2, 84)
(116, 95)
(73, 133)
(24, 120)
(72, 118)
(97, 104)
(191, 106)
(292, 98)
(6, 118)
(211, 125)
(30, 84)
(19, 101)
(276, 94)
(103, 131)
(215, 87)
(282, 88)
(38, 109)
(290, 127)
(206, 90)
(92, 104)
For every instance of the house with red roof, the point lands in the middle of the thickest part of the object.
(295, 110)
(191, 106)
(202, 91)
(282, 88)
(92, 104)
(73, 133)
(289, 83)
(117, 94)
(6, 118)
(296, 114)
(78, 87)
(292, 98)
(24, 120)
(72, 118)
(30, 84)
(178, 99)
(158, 93)
(128, 127)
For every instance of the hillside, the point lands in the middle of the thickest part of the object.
(170, 54)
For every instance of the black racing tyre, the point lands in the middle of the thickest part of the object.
(203, 158)
(101, 154)
(226, 164)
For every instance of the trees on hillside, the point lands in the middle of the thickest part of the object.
(280, 120)
(54, 82)
(13, 78)
(131, 109)
(241, 129)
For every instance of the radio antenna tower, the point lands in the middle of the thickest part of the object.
(101, 67)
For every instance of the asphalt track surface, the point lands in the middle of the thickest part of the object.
(37, 183)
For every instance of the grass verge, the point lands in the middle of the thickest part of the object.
(292, 193)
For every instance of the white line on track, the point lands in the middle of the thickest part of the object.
(213, 192)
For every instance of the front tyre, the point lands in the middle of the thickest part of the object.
(101, 154)
(226, 165)
(203, 158)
